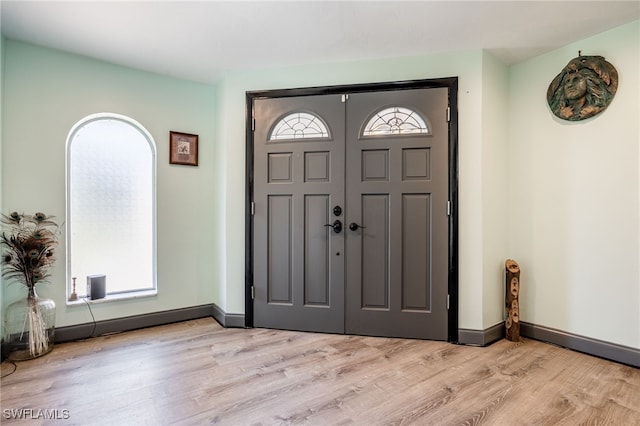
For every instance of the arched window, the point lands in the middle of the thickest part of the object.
(299, 125)
(395, 121)
(111, 204)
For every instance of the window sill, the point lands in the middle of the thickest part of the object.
(113, 297)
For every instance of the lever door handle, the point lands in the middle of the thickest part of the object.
(354, 226)
(336, 225)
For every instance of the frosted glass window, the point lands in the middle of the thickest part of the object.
(111, 204)
(299, 125)
(395, 121)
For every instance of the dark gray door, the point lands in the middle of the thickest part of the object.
(397, 187)
(382, 159)
(298, 181)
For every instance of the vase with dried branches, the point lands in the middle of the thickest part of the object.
(29, 243)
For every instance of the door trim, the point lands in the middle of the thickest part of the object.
(452, 84)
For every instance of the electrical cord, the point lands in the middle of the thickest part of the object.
(95, 325)
(15, 367)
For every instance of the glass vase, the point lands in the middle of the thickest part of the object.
(29, 327)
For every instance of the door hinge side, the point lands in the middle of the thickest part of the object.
(448, 114)
(253, 124)
(345, 98)
(448, 208)
(253, 208)
(447, 301)
(253, 293)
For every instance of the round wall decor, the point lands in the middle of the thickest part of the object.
(584, 88)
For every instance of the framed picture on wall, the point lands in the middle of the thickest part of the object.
(183, 148)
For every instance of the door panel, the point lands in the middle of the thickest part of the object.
(280, 238)
(416, 252)
(298, 261)
(397, 189)
(317, 260)
(374, 249)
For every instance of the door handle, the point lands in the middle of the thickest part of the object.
(336, 225)
(354, 226)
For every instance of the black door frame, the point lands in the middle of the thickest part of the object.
(452, 84)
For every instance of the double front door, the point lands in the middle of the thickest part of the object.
(350, 226)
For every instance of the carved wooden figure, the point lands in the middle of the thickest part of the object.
(584, 88)
(512, 308)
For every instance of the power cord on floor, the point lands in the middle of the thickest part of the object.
(15, 367)
(95, 325)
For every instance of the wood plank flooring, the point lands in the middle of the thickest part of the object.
(197, 373)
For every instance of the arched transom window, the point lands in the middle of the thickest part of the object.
(394, 121)
(299, 125)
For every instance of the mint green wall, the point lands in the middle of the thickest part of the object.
(574, 197)
(494, 152)
(45, 93)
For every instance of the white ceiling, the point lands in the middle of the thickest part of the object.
(201, 40)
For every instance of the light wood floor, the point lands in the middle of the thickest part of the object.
(196, 373)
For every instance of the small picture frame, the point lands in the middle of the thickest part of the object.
(183, 148)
